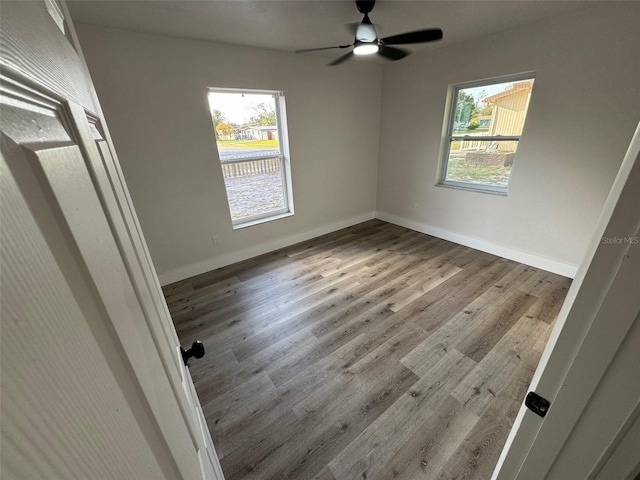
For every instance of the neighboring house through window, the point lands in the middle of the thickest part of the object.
(251, 135)
(483, 127)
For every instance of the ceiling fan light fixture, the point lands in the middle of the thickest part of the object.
(367, 42)
(366, 48)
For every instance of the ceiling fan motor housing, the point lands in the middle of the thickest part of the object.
(365, 6)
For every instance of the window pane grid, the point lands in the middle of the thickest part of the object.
(250, 136)
(484, 137)
(248, 159)
(483, 130)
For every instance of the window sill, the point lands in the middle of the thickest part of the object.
(474, 188)
(251, 223)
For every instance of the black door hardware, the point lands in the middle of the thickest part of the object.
(196, 351)
(537, 404)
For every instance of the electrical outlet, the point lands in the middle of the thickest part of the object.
(416, 207)
(216, 240)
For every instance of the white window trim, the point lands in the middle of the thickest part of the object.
(448, 137)
(285, 163)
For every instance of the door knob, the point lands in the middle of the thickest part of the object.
(196, 351)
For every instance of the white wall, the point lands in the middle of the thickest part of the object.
(153, 91)
(584, 109)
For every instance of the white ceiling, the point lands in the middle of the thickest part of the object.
(288, 25)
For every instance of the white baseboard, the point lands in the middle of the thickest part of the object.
(510, 253)
(527, 258)
(187, 271)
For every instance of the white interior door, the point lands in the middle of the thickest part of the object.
(589, 370)
(624, 461)
(93, 382)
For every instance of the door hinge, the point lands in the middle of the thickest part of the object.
(537, 404)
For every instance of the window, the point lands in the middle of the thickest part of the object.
(483, 128)
(251, 135)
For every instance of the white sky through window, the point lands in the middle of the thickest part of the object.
(238, 108)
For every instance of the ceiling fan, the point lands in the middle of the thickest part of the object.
(366, 40)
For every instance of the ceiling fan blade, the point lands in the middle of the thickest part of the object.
(392, 53)
(341, 59)
(321, 48)
(419, 36)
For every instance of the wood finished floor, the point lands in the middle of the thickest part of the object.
(374, 352)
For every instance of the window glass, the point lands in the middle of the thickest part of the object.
(250, 134)
(484, 127)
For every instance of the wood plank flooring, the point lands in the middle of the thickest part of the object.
(374, 352)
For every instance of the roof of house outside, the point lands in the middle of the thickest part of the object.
(515, 88)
